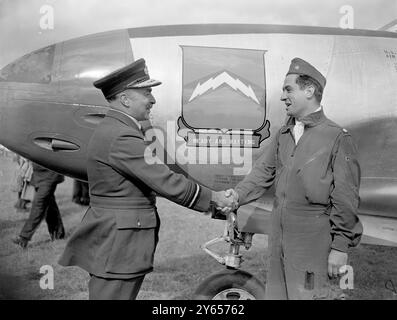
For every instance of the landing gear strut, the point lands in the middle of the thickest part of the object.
(231, 284)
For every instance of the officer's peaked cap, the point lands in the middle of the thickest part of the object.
(132, 76)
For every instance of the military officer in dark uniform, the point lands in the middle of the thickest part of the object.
(117, 237)
(44, 206)
(313, 163)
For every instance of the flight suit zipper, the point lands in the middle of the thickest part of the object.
(289, 166)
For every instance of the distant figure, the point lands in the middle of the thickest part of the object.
(44, 206)
(22, 183)
(80, 193)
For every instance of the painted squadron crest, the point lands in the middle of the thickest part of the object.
(223, 95)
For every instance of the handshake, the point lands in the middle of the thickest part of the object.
(225, 201)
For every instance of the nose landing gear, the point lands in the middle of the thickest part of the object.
(232, 283)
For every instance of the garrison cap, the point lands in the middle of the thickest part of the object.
(132, 76)
(301, 67)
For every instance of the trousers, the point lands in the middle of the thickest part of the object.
(114, 289)
(45, 207)
(299, 246)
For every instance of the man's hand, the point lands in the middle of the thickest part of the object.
(226, 201)
(231, 193)
(336, 260)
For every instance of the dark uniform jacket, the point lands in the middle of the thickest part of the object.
(320, 174)
(44, 176)
(118, 235)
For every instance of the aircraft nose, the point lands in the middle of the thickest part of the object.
(23, 79)
(6, 128)
(25, 74)
(3, 100)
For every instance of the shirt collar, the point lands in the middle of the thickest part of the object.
(297, 122)
(311, 120)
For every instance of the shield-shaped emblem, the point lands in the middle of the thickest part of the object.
(224, 93)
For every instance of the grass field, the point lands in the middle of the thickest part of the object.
(180, 264)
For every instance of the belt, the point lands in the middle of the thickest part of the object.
(123, 203)
(299, 209)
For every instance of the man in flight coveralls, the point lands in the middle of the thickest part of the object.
(117, 238)
(313, 164)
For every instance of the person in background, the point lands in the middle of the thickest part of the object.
(44, 206)
(81, 194)
(22, 185)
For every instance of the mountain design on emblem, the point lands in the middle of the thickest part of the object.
(223, 78)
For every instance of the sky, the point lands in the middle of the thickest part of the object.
(20, 30)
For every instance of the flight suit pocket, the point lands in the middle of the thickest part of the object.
(134, 242)
(316, 178)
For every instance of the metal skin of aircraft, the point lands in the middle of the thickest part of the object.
(218, 107)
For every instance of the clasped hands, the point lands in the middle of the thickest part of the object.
(226, 201)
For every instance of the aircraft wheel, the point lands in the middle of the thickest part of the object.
(231, 284)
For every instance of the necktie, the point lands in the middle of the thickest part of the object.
(298, 130)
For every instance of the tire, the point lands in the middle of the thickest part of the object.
(230, 284)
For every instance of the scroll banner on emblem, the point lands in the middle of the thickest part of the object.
(223, 97)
